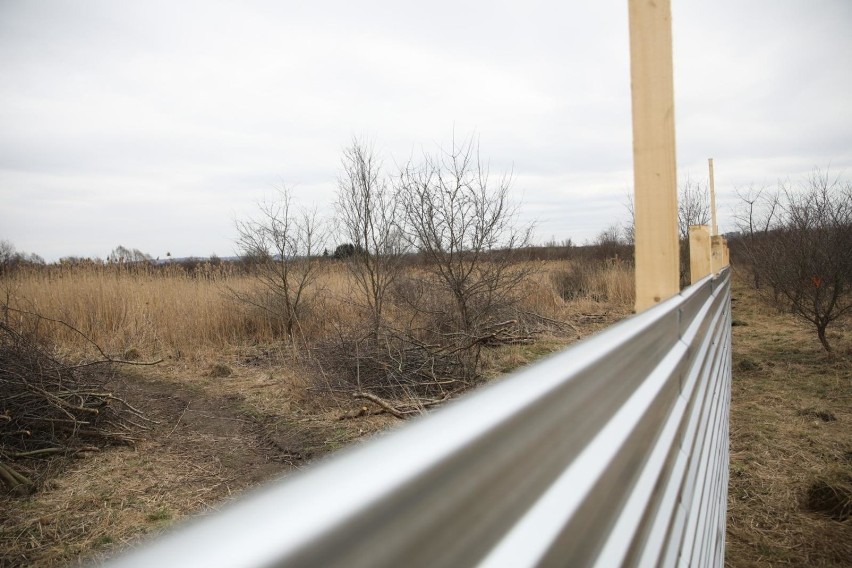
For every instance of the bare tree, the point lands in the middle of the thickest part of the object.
(630, 227)
(754, 217)
(463, 223)
(11, 259)
(693, 206)
(282, 242)
(369, 212)
(124, 255)
(799, 241)
(7, 255)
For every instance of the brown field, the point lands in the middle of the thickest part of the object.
(170, 313)
(235, 404)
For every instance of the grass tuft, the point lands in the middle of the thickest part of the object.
(831, 497)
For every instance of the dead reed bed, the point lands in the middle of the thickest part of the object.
(234, 401)
(158, 311)
(170, 311)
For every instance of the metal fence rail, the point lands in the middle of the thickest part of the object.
(611, 452)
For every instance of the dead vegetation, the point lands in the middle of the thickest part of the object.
(233, 403)
(791, 440)
(215, 435)
(52, 408)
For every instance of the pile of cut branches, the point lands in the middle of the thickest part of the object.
(52, 408)
(405, 371)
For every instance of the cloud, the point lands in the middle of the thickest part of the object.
(153, 124)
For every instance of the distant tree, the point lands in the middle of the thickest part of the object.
(564, 243)
(123, 255)
(344, 251)
(693, 207)
(798, 241)
(34, 258)
(11, 258)
(630, 226)
(7, 256)
(754, 216)
(611, 236)
(282, 242)
(611, 242)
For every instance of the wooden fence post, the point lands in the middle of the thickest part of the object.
(699, 252)
(654, 170)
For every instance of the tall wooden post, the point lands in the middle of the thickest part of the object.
(654, 170)
(713, 198)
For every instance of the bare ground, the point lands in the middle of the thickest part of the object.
(210, 442)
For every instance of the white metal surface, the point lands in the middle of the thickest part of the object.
(611, 452)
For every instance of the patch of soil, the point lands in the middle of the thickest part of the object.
(202, 450)
(192, 422)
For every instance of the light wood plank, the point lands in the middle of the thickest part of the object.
(699, 252)
(654, 170)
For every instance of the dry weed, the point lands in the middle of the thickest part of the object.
(791, 443)
(217, 434)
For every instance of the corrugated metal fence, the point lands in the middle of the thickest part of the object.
(611, 452)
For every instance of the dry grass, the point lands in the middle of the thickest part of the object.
(791, 441)
(160, 311)
(610, 282)
(170, 312)
(236, 404)
(215, 437)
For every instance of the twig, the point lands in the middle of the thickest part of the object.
(116, 361)
(185, 408)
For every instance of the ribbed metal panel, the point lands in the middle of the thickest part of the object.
(612, 452)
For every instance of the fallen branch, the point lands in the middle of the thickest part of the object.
(51, 451)
(14, 480)
(381, 402)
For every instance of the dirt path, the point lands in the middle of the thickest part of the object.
(202, 450)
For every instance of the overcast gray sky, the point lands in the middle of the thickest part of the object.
(155, 124)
